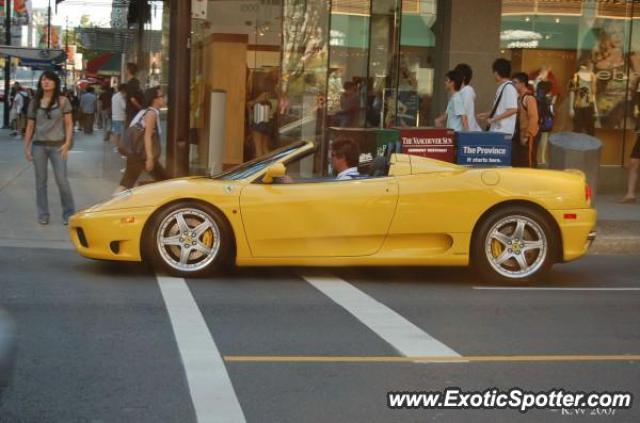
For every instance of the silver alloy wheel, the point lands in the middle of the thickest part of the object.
(516, 247)
(188, 240)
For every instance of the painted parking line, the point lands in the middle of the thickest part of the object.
(212, 393)
(408, 339)
(545, 288)
(431, 359)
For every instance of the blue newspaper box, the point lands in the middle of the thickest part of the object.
(483, 149)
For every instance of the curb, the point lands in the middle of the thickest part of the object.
(617, 237)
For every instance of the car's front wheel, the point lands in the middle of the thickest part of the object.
(187, 239)
(514, 244)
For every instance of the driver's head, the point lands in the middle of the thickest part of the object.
(345, 153)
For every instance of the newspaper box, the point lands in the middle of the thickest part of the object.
(483, 149)
(434, 143)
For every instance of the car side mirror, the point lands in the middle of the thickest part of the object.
(277, 170)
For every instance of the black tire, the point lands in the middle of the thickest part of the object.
(218, 238)
(537, 230)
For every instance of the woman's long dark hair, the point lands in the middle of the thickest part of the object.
(52, 76)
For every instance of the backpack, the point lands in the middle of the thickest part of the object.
(545, 112)
(545, 106)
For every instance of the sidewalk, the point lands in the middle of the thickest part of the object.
(618, 226)
(94, 173)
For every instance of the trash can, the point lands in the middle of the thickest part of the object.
(483, 149)
(571, 150)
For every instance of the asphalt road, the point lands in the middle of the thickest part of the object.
(108, 342)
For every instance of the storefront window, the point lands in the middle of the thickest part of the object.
(304, 70)
(235, 82)
(291, 70)
(586, 52)
(416, 71)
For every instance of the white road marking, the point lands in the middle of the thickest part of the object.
(401, 334)
(544, 288)
(212, 393)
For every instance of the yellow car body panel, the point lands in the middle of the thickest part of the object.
(332, 219)
(423, 213)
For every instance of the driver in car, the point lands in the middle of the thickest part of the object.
(345, 155)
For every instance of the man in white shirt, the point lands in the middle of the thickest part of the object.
(17, 111)
(505, 105)
(468, 96)
(345, 156)
(118, 112)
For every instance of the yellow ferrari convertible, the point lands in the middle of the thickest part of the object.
(510, 224)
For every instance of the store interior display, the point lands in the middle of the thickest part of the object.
(592, 54)
(582, 100)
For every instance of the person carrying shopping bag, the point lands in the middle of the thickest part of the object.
(48, 137)
(142, 140)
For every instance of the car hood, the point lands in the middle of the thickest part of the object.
(158, 193)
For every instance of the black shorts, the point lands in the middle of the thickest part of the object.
(635, 153)
(135, 167)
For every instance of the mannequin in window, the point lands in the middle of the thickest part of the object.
(262, 111)
(582, 100)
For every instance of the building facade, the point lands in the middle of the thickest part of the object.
(295, 69)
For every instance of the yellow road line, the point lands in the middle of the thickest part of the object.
(440, 359)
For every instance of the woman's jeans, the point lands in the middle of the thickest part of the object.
(41, 155)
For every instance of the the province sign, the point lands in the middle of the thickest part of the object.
(484, 149)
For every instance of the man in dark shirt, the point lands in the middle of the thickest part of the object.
(134, 93)
(105, 111)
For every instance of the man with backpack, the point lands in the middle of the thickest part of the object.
(525, 143)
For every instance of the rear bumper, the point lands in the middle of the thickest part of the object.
(577, 230)
(109, 235)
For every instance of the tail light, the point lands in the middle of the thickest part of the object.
(588, 194)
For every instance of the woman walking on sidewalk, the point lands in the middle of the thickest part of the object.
(147, 119)
(48, 137)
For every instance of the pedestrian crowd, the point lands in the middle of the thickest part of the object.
(523, 108)
(519, 109)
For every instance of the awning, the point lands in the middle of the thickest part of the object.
(105, 64)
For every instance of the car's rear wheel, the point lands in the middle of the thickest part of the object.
(514, 244)
(187, 239)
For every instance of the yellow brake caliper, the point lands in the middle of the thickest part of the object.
(496, 248)
(207, 238)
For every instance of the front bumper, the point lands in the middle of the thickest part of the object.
(109, 235)
(577, 230)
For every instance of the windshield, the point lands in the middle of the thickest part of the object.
(254, 166)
